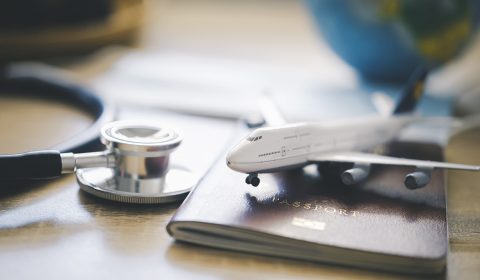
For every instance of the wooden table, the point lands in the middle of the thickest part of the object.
(53, 230)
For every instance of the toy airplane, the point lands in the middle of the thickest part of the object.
(273, 149)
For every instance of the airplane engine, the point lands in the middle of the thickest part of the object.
(356, 174)
(418, 179)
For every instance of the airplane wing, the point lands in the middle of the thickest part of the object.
(365, 158)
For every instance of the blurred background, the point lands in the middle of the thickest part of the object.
(215, 56)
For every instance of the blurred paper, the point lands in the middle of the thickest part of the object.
(208, 85)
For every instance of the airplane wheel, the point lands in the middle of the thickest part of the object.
(248, 180)
(255, 181)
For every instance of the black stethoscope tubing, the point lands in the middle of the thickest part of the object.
(29, 165)
(62, 90)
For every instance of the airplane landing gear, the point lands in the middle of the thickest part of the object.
(252, 179)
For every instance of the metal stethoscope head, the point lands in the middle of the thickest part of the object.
(134, 168)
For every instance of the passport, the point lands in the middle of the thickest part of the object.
(303, 214)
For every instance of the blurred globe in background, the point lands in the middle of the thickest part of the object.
(387, 39)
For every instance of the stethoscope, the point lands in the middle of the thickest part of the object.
(134, 167)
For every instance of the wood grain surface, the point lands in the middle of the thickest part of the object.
(463, 207)
(54, 230)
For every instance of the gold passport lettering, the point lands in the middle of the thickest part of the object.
(314, 207)
(305, 223)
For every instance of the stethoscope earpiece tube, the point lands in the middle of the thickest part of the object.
(31, 165)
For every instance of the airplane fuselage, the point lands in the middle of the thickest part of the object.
(278, 148)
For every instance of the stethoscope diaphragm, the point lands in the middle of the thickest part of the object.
(103, 182)
(141, 173)
(135, 167)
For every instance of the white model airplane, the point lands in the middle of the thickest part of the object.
(273, 149)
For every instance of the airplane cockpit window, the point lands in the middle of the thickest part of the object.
(253, 139)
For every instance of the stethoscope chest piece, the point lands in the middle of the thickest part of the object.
(140, 171)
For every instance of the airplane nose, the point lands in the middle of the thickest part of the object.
(231, 159)
(236, 156)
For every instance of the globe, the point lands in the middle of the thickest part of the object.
(388, 39)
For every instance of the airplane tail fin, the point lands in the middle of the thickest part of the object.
(412, 92)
